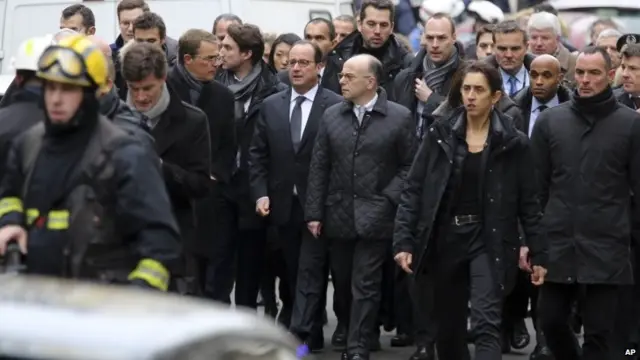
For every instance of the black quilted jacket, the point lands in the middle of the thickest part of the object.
(357, 171)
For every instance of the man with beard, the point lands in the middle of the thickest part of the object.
(587, 157)
(375, 38)
(181, 141)
(250, 81)
(424, 85)
(545, 92)
(192, 80)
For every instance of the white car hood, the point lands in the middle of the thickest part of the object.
(68, 320)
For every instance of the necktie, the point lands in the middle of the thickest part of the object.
(542, 108)
(361, 111)
(513, 85)
(296, 122)
(636, 102)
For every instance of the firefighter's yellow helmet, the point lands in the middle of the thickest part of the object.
(75, 60)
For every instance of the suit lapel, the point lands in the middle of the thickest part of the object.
(317, 109)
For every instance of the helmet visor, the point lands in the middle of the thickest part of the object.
(62, 64)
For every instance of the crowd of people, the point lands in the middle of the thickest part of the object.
(464, 182)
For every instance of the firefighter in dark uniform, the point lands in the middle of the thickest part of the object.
(83, 199)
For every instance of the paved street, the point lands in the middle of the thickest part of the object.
(389, 353)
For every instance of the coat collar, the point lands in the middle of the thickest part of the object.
(501, 129)
(380, 106)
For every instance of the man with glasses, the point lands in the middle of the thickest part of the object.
(192, 80)
(363, 151)
(279, 165)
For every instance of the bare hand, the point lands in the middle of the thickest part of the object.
(315, 228)
(523, 260)
(404, 260)
(262, 206)
(537, 278)
(422, 90)
(13, 233)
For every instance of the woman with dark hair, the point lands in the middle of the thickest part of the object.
(279, 55)
(453, 102)
(471, 184)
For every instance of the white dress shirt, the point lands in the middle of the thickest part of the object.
(321, 74)
(305, 106)
(522, 79)
(362, 109)
(535, 110)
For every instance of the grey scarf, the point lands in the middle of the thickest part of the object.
(195, 86)
(157, 110)
(242, 90)
(435, 75)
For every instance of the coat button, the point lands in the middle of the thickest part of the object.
(357, 153)
(491, 200)
(355, 133)
(439, 141)
(355, 196)
(490, 170)
(494, 230)
(431, 129)
(497, 259)
(355, 175)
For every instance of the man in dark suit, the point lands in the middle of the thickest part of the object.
(181, 139)
(629, 93)
(363, 151)
(321, 32)
(545, 92)
(192, 79)
(279, 164)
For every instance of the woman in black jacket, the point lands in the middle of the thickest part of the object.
(454, 101)
(470, 185)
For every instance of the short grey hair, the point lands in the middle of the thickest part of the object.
(544, 21)
(609, 33)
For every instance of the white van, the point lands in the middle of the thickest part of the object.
(22, 19)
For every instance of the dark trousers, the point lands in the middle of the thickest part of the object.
(422, 294)
(275, 268)
(357, 273)
(599, 310)
(627, 324)
(465, 274)
(250, 248)
(311, 288)
(217, 226)
(403, 303)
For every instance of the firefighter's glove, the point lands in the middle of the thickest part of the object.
(151, 273)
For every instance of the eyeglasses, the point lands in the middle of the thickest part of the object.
(303, 63)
